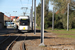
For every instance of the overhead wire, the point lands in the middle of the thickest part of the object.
(21, 2)
(26, 5)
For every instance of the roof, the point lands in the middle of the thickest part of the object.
(7, 16)
(1, 12)
(12, 17)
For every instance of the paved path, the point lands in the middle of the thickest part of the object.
(17, 45)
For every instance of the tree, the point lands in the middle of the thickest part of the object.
(38, 11)
(61, 8)
(46, 13)
(60, 20)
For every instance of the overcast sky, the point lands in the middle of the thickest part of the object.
(8, 6)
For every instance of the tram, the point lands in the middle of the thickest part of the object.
(24, 24)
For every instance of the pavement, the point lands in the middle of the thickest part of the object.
(33, 41)
(51, 41)
(17, 45)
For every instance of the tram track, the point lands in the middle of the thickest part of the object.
(6, 42)
(12, 44)
(22, 47)
(11, 40)
(4, 39)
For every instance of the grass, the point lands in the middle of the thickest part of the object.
(38, 27)
(62, 32)
(67, 36)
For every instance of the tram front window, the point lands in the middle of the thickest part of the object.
(24, 22)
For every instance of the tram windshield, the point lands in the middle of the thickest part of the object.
(24, 22)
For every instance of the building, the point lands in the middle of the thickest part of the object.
(1, 20)
(6, 18)
(12, 17)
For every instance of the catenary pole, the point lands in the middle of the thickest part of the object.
(34, 16)
(68, 17)
(31, 17)
(53, 20)
(42, 23)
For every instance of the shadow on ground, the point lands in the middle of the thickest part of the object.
(4, 32)
(10, 30)
(4, 45)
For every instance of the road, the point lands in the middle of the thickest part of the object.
(13, 33)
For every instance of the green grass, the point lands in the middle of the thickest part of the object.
(67, 36)
(62, 32)
(38, 27)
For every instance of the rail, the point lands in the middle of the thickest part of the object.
(8, 48)
(4, 39)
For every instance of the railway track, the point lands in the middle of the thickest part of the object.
(10, 47)
(10, 41)
(6, 42)
(23, 44)
(5, 39)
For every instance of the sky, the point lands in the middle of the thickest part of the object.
(8, 6)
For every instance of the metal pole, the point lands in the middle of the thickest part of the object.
(24, 13)
(10, 19)
(34, 16)
(42, 24)
(30, 17)
(53, 20)
(68, 17)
